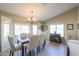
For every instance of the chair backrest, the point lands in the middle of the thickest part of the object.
(23, 35)
(33, 42)
(10, 38)
(73, 47)
(41, 39)
(29, 35)
(44, 35)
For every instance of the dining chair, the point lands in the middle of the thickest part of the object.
(73, 47)
(29, 35)
(42, 41)
(33, 44)
(23, 36)
(13, 47)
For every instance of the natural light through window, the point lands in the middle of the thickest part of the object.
(21, 28)
(34, 29)
(59, 29)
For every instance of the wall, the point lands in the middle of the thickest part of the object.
(78, 23)
(69, 17)
(0, 33)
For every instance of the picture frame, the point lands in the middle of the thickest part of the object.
(78, 26)
(46, 27)
(42, 28)
(69, 26)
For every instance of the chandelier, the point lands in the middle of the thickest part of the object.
(31, 19)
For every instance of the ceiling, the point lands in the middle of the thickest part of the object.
(42, 11)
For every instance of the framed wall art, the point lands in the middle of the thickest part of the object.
(69, 26)
(46, 27)
(78, 26)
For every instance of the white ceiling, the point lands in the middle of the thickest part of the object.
(41, 11)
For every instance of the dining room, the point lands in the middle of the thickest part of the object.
(37, 29)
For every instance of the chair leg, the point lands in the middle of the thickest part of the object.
(43, 46)
(25, 50)
(29, 52)
(10, 53)
(68, 51)
(37, 50)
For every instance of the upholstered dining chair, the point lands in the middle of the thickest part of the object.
(29, 35)
(42, 41)
(23, 36)
(13, 47)
(33, 43)
(73, 47)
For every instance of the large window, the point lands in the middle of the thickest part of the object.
(6, 31)
(52, 28)
(59, 29)
(21, 28)
(24, 28)
(34, 29)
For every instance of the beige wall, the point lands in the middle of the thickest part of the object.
(69, 17)
(78, 22)
(12, 16)
(0, 33)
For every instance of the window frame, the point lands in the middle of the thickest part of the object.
(56, 28)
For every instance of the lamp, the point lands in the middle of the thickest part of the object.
(31, 19)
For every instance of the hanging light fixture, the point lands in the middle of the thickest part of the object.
(31, 19)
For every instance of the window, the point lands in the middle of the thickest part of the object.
(52, 28)
(21, 28)
(59, 29)
(34, 29)
(6, 30)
